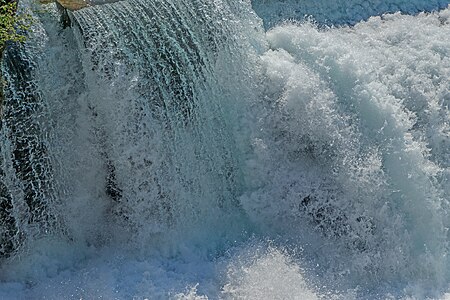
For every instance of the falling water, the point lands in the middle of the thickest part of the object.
(165, 149)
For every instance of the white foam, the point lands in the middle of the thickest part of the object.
(337, 140)
(353, 142)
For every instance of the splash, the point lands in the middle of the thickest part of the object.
(162, 149)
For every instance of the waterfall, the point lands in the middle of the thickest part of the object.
(173, 149)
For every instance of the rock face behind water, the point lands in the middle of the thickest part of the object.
(70, 4)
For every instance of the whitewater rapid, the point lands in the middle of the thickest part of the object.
(215, 150)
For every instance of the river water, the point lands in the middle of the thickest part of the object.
(160, 149)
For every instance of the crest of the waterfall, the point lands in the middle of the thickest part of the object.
(338, 12)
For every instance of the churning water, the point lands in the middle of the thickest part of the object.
(192, 150)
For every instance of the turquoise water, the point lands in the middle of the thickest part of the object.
(163, 149)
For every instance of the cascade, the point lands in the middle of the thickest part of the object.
(213, 149)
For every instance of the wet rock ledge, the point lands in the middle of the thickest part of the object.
(69, 4)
